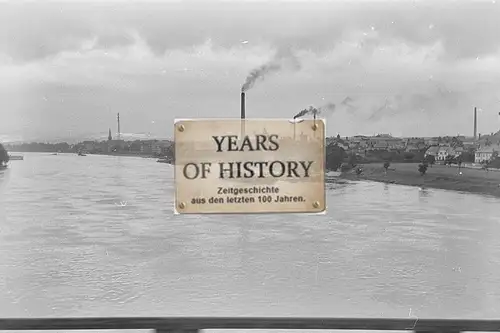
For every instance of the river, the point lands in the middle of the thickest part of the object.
(96, 236)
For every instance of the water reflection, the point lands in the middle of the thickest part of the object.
(4, 178)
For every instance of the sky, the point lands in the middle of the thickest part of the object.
(408, 68)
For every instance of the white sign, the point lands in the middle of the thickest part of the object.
(249, 166)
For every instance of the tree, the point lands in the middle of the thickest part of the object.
(409, 156)
(170, 152)
(387, 164)
(422, 168)
(494, 156)
(494, 162)
(4, 156)
(468, 156)
(431, 159)
(353, 159)
(334, 157)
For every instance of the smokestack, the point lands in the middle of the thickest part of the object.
(475, 123)
(118, 118)
(243, 115)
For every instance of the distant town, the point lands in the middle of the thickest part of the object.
(365, 149)
(353, 150)
(151, 147)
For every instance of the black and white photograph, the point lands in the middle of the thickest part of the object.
(270, 165)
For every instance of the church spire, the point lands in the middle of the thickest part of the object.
(109, 135)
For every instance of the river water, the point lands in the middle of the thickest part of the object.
(96, 236)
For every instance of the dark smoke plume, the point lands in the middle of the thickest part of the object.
(282, 58)
(305, 112)
(325, 110)
(260, 73)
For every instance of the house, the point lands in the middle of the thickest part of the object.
(160, 147)
(147, 147)
(380, 146)
(469, 145)
(359, 138)
(485, 153)
(412, 148)
(443, 152)
(459, 151)
(432, 151)
(353, 145)
(115, 145)
(400, 144)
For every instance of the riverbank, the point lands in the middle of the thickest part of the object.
(75, 153)
(437, 176)
(126, 154)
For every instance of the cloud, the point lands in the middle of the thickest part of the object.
(44, 29)
(81, 64)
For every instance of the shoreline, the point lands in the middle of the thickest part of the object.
(89, 154)
(125, 154)
(472, 180)
(438, 177)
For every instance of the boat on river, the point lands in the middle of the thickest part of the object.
(164, 160)
(16, 157)
(333, 174)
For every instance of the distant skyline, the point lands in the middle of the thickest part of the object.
(408, 68)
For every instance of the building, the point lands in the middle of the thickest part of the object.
(89, 146)
(444, 152)
(432, 151)
(414, 147)
(135, 146)
(431, 141)
(160, 147)
(382, 145)
(469, 145)
(115, 145)
(384, 139)
(147, 146)
(486, 153)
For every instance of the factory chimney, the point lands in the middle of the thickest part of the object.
(243, 115)
(118, 118)
(475, 123)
